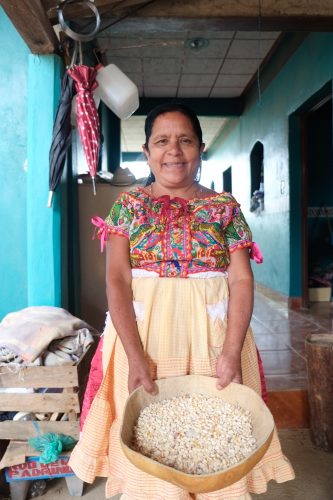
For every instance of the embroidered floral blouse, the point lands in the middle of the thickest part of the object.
(177, 237)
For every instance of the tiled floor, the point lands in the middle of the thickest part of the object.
(280, 335)
(313, 469)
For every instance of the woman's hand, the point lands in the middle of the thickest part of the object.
(228, 369)
(138, 375)
(120, 297)
(240, 305)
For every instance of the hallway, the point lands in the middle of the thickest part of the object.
(280, 334)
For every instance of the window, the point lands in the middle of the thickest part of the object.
(257, 178)
(227, 180)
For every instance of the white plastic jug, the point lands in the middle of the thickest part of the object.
(117, 91)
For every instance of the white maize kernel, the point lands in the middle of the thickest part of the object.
(195, 434)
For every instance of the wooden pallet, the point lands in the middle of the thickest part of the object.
(70, 382)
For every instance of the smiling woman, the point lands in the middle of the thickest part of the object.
(173, 148)
(174, 155)
(180, 298)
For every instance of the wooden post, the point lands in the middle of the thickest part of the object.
(19, 490)
(75, 486)
(319, 353)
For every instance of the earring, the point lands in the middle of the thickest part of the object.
(198, 175)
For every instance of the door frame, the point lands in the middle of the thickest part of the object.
(298, 196)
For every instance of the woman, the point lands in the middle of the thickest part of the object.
(180, 297)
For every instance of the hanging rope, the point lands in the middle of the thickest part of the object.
(259, 54)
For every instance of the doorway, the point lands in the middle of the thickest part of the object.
(227, 180)
(311, 196)
(318, 136)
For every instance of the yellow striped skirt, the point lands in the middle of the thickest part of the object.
(182, 325)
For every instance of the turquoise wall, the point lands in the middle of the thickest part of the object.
(13, 172)
(266, 120)
(30, 264)
(43, 223)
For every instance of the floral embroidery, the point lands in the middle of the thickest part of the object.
(177, 237)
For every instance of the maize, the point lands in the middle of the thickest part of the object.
(194, 433)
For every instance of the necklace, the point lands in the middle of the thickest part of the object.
(196, 192)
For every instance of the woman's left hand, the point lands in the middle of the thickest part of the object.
(228, 369)
(240, 305)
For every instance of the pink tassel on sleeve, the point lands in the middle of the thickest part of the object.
(102, 230)
(255, 253)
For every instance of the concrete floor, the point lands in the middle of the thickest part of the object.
(313, 468)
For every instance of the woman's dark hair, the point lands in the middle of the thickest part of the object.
(171, 107)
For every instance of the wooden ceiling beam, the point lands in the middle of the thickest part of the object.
(31, 18)
(105, 7)
(240, 8)
(50, 5)
(164, 25)
(212, 8)
(230, 106)
(31, 21)
(230, 13)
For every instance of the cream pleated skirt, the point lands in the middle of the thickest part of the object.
(182, 325)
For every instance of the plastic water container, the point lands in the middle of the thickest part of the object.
(117, 91)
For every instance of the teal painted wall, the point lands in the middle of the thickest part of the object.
(43, 223)
(310, 67)
(13, 176)
(30, 263)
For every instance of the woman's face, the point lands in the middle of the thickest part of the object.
(173, 152)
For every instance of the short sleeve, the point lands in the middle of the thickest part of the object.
(117, 222)
(237, 233)
(120, 217)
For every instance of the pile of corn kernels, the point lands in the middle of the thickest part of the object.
(194, 433)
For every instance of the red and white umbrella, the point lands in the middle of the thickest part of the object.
(87, 115)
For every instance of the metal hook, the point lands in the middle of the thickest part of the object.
(80, 53)
(72, 34)
(77, 52)
(96, 56)
(74, 56)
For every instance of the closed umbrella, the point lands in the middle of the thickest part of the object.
(61, 137)
(87, 115)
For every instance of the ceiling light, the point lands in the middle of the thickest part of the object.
(196, 43)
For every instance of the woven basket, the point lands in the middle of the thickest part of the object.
(262, 420)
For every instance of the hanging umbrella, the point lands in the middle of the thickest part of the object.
(61, 137)
(87, 115)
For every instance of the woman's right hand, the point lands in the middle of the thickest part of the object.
(138, 375)
(120, 301)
